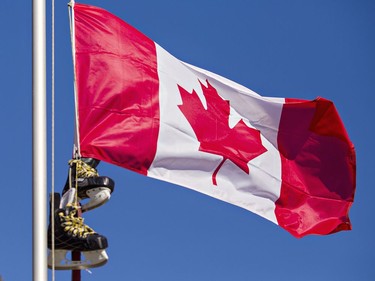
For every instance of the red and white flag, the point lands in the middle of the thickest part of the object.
(287, 160)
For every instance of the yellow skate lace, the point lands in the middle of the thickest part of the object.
(74, 225)
(83, 170)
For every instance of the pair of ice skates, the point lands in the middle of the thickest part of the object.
(70, 233)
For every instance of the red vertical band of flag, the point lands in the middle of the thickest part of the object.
(318, 169)
(118, 103)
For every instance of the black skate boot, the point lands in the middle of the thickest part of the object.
(90, 185)
(71, 234)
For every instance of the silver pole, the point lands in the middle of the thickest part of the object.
(39, 204)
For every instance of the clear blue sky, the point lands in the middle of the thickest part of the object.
(158, 231)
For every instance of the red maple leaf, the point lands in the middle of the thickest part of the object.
(239, 144)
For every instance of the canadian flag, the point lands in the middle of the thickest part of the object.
(287, 160)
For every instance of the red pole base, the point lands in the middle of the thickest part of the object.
(76, 274)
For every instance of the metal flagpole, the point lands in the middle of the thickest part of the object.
(39, 140)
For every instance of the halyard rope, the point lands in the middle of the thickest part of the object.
(53, 138)
(77, 148)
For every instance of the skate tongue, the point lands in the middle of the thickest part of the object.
(68, 198)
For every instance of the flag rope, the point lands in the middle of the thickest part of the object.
(77, 148)
(52, 138)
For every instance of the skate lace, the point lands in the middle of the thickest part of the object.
(75, 225)
(83, 169)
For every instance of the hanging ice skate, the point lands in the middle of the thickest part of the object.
(84, 176)
(71, 234)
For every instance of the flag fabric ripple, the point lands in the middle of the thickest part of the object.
(287, 160)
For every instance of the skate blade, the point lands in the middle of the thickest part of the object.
(89, 259)
(97, 197)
